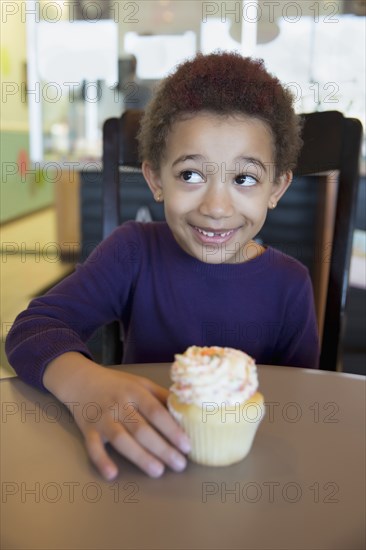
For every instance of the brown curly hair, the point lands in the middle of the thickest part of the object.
(223, 83)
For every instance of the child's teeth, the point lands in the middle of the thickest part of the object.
(207, 233)
(211, 234)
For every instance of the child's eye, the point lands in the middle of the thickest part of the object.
(244, 180)
(191, 177)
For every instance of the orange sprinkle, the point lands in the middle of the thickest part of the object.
(209, 351)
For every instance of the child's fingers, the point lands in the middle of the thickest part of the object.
(153, 442)
(99, 456)
(121, 440)
(128, 447)
(159, 417)
(158, 391)
(138, 425)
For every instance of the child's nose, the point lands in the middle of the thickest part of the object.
(217, 201)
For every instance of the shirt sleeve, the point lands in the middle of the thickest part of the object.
(298, 344)
(66, 317)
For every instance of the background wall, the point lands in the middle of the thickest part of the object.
(22, 190)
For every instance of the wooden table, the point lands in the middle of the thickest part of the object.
(301, 487)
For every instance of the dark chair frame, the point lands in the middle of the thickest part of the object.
(332, 142)
(120, 148)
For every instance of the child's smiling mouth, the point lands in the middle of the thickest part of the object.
(210, 235)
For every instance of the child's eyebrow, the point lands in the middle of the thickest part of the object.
(188, 157)
(241, 158)
(251, 160)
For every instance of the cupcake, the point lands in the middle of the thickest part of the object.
(214, 398)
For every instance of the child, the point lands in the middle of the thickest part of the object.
(218, 143)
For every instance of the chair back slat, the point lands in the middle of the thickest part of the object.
(128, 151)
(334, 325)
(110, 176)
(322, 137)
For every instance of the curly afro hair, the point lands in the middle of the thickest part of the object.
(223, 83)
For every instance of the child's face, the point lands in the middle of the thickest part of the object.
(217, 180)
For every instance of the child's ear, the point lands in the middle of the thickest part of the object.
(279, 188)
(153, 179)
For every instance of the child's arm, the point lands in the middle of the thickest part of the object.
(65, 318)
(127, 411)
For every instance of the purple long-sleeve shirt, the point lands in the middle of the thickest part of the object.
(166, 301)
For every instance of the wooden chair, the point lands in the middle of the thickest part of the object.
(313, 222)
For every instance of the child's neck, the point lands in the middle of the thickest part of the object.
(252, 250)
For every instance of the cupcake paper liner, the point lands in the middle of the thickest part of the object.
(222, 436)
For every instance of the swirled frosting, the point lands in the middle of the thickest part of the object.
(213, 374)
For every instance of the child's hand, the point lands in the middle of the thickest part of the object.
(127, 411)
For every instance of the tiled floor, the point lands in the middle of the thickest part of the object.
(30, 263)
